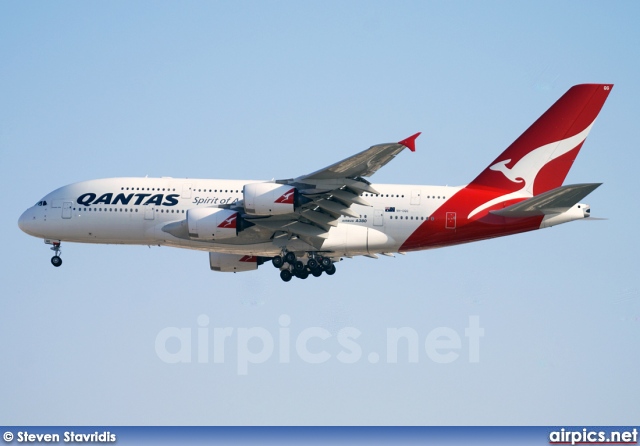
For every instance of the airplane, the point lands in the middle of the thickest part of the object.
(304, 225)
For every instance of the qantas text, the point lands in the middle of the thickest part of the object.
(140, 199)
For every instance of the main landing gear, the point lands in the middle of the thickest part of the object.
(291, 267)
(55, 260)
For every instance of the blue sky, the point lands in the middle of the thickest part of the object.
(264, 90)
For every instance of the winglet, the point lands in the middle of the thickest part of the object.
(410, 142)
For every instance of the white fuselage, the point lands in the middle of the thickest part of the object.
(134, 211)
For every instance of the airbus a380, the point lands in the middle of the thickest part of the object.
(304, 225)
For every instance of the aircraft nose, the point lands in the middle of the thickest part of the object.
(26, 222)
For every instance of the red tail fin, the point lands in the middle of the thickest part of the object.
(541, 157)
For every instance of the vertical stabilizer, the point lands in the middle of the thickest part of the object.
(541, 157)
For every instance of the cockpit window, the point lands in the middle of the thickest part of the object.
(41, 203)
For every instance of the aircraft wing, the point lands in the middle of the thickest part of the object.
(363, 164)
(327, 194)
(555, 201)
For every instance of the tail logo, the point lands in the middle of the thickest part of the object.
(526, 169)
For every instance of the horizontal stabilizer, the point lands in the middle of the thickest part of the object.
(555, 201)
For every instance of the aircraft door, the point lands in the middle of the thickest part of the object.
(66, 209)
(186, 191)
(149, 212)
(378, 217)
(415, 196)
(451, 220)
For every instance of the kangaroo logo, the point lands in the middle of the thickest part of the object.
(286, 198)
(526, 169)
(230, 222)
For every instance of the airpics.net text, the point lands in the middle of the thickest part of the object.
(258, 345)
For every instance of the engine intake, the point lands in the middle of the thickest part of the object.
(270, 199)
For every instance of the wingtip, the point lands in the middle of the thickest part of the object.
(410, 142)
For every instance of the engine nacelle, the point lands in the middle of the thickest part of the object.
(232, 263)
(269, 199)
(212, 223)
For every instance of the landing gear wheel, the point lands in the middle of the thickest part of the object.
(331, 270)
(298, 266)
(302, 274)
(285, 275)
(290, 258)
(55, 260)
(316, 272)
(326, 263)
(277, 261)
(312, 264)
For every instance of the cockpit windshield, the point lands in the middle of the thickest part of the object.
(41, 203)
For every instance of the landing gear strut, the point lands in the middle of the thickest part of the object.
(56, 260)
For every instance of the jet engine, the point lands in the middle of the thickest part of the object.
(269, 199)
(212, 223)
(233, 263)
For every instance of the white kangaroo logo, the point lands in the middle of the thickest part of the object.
(228, 222)
(501, 166)
(285, 197)
(526, 169)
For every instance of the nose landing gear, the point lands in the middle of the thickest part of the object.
(55, 260)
